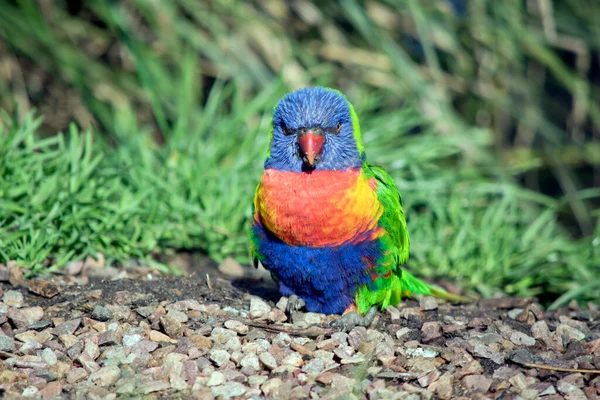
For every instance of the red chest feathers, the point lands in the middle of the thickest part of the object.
(321, 208)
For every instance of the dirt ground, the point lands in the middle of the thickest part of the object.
(222, 332)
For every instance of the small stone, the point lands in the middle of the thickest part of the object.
(257, 380)
(130, 340)
(13, 298)
(52, 390)
(230, 266)
(431, 331)
(44, 288)
(357, 336)
(236, 326)
(569, 332)
(30, 391)
(155, 386)
(268, 360)
(258, 308)
(314, 366)
(313, 318)
(521, 339)
(250, 361)
(216, 378)
(67, 327)
(544, 389)
(40, 325)
(421, 352)
(32, 314)
(515, 312)
(540, 330)
(101, 313)
(171, 326)
(428, 303)
(282, 303)
(570, 391)
(7, 344)
(201, 341)
(145, 311)
(575, 379)
(219, 357)
(477, 383)
(394, 313)
(442, 387)
(229, 390)
(487, 338)
(49, 357)
(68, 340)
(179, 316)
(157, 336)
(177, 382)
(106, 375)
(108, 338)
(519, 381)
(271, 388)
(293, 360)
(483, 351)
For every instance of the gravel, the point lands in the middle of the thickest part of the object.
(181, 339)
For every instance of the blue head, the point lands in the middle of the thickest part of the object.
(315, 129)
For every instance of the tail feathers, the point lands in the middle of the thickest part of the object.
(413, 286)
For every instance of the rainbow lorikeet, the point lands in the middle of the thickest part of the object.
(328, 225)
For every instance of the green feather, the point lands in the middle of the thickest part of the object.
(390, 288)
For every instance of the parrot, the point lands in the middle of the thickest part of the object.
(327, 225)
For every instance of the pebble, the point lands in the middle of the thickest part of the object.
(155, 386)
(101, 313)
(477, 383)
(428, 303)
(258, 308)
(314, 366)
(230, 266)
(250, 361)
(130, 340)
(219, 357)
(229, 390)
(157, 336)
(313, 318)
(105, 376)
(67, 327)
(268, 360)
(236, 326)
(171, 326)
(7, 344)
(293, 360)
(521, 339)
(32, 314)
(49, 357)
(564, 330)
(431, 331)
(13, 298)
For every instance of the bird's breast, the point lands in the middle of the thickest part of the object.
(320, 208)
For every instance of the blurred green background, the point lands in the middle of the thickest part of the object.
(486, 113)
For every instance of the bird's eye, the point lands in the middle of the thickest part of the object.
(286, 131)
(338, 127)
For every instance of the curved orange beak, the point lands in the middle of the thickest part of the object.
(311, 145)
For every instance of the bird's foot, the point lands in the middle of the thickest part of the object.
(352, 319)
(294, 305)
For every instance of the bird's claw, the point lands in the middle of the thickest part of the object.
(351, 320)
(294, 304)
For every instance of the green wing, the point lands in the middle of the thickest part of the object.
(392, 282)
(392, 219)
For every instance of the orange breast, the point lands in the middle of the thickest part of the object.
(321, 208)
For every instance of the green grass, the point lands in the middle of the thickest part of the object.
(175, 101)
